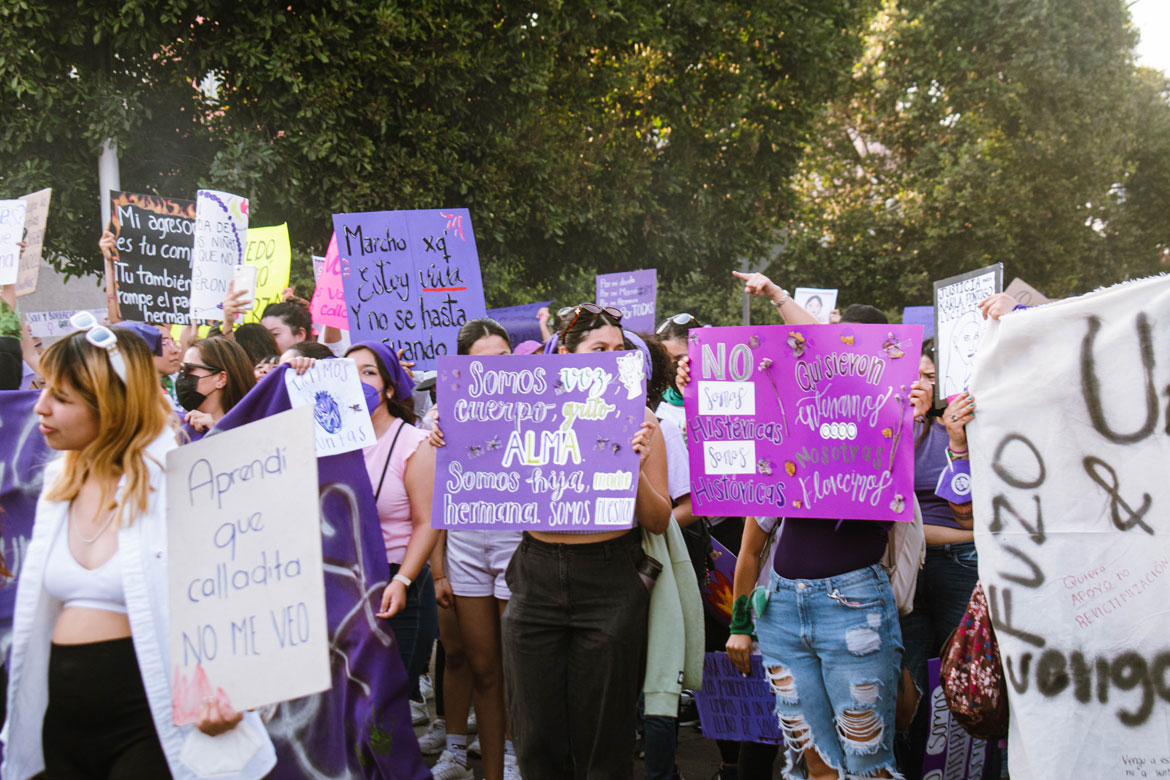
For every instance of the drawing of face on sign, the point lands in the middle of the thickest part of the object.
(967, 332)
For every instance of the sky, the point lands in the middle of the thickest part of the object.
(1152, 18)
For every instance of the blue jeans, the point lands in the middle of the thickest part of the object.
(832, 650)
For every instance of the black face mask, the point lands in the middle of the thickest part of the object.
(187, 393)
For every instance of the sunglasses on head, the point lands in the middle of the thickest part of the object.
(678, 319)
(102, 337)
(594, 310)
(186, 368)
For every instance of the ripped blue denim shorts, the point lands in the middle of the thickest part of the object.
(832, 651)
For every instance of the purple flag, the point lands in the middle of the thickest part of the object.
(807, 421)
(951, 753)
(361, 728)
(520, 321)
(734, 707)
(539, 442)
(411, 278)
(635, 293)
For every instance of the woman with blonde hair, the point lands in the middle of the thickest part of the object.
(89, 691)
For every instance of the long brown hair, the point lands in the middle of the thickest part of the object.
(131, 415)
(229, 357)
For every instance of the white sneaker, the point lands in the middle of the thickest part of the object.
(419, 714)
(432, 742)
(449, 768)
(473, 748)
(511, 768)
(426, 687)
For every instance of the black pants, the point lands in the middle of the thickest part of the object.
(574, 644)
(98, 722)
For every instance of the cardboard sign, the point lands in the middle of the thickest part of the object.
(328, 304)
(817, 301)
(36, 217)
(411, 279)
(334, 391)
(920, 315)
(318, 266)
(539, 442)
(151, 270)
(1070, 496)
(951, 753)
(268, 249)
(959, 326)
(221, 234)
(810, 421)
(635, 293)
(246, 580)
(11, 234)
(1026, 293)
(53, 324)
(734, 707)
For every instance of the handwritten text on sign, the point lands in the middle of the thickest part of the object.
(328, 304)
(635, 293)
(152, 263)
(247, 593)
(809, 421)
(334, 392)
(951, 753)
(539, 442)
(36, 218)
(221, 233)
(959, 325)
(268, 249)
(734, 707)
(411, 279)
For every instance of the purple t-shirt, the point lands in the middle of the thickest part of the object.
(930, 458)
(812, 548)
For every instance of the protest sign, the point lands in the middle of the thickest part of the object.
(539, 442)
(36, 217)
(817, 301)
(247, 604)
(635, 293)
(221, 228)
(1070, 494)
(1026, 293)
(11, 234)
(332, 389)
(318, 266)
(360, 727)
(734, 707)
(809, 421)
(920, 315)
(411, 279)
(958, 327)
(328, 304)
(151, 269)
(53, 324)
(718, 589)
(951, 753)
(268, 249)
(520, 321)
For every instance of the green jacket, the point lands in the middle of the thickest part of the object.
(674, 647)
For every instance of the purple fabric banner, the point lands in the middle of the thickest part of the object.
(635, 293)
(920, 315)
(734, 707)
(411, 279)
(520, 321)
(951, 753)
(361, 728)
(808, 421)
(539, 442)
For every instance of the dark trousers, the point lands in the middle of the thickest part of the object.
(98, 721)
(574, 636)
(415, 626)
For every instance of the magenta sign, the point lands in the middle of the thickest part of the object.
(808, 421)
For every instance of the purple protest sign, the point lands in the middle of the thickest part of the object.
(951, 753)
(734, 707)
(920, 315)
(718, 590)
(411, 279)
(635, 293)
(539, 442)
(807, 421)
(520, 321)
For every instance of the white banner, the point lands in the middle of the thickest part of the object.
(334, 391)
(247, 588)
(1069, 453)
(11, 233)
(51, 324)
(221, 236)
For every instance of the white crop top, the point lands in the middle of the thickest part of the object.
(77, 586)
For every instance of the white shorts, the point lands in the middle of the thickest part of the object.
(477, 560)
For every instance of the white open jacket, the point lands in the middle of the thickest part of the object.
(143, 547)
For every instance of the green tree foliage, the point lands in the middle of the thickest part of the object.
(584, 137)
(985, 131)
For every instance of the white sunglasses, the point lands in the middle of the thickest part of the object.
(100, 336)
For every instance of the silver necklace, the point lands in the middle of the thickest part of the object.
(95, 537)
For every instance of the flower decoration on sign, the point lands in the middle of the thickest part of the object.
(797, 343)
(892, 346)
(493, 444)
(474, 450)
(902, 400)
(754, 342)
(602, 443)
(898, 504)
(789, 468)
(796, 504)
(764, 466)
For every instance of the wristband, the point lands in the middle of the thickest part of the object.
(784, 298)
(403, 579)
(741, 617)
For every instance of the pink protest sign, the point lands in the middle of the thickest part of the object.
(808, 421)
(328, 304)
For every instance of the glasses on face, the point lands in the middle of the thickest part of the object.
(187, 368)
(102, 337)
(678, 319)
(594, 310)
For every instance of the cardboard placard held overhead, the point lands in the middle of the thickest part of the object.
(268, 249)
(149, 279)
(221, 234)
(334, 392)
(36, 217)
(11, 234)
(959, 326)
(635, 293)
(247, 591)
(328, 304)
(1026, 293)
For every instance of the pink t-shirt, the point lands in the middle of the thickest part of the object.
(393, 503)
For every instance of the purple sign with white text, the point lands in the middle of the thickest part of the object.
(539, 442)
(411, 279)
(951, 753)
(635, 293)
(803, 421)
